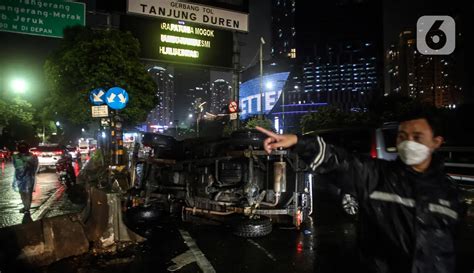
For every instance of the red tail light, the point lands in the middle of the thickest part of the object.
(37, 153)
(373, 146)
(58, 152)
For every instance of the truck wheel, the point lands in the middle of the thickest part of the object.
(143, 215)
(251, 228)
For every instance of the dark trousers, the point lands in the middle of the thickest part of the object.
(26, 198)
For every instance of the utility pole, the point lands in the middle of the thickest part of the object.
(283, 109)
(262, 42)
(199, 116)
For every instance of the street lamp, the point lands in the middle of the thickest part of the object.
(262, 42)
(19, 85)
(190, 116)
(201, 108)
(83, 130)
(58, 124)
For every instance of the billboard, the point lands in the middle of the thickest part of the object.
(42, 18)
(180, 42)
(250, 100)
(190, 12)
(121, 5)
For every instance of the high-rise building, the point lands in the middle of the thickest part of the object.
(345, 78)
(191, 84)
(199, 98)
(430, 79)
(220, 95)
(341, 51)
(283, 29)
(392, 73)
(163, 114)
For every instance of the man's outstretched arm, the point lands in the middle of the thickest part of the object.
(322, 157)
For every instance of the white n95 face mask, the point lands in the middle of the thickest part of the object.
(413, 153)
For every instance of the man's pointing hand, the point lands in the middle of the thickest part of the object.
(275, 141)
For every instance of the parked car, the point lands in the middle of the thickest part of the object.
(374, 142)
(48, 155)
(87, 145)
(226, 179)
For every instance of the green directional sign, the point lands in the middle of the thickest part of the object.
(40, 17)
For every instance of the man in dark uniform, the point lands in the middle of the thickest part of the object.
(408, 208)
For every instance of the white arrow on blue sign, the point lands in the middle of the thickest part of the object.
(116, 98)
(96, 96)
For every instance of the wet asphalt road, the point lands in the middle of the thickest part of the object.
(326, 244)
(211, 248)
(49, 198)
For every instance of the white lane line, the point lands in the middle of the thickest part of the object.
(41, 212)
(182, 260)
(269, 255)
(201, 260)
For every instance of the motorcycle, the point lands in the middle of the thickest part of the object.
(65, 171)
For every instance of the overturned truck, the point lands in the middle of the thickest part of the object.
(227, 179)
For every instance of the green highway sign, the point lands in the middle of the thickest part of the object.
(40, 17)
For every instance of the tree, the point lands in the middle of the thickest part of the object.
(390, 108)
(332, 117)
(87, 59)
(264, 123)
(15, 109)
(16, 121)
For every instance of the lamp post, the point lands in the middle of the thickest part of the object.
(262, 42)
(201, 108)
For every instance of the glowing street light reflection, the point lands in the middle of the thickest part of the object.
(19, 86)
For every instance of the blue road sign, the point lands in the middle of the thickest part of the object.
(97, 96)
(116, 98)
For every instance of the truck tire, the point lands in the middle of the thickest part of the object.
(252, 228)
(143, 215)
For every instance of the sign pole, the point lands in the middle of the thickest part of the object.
(235, 77)
(118, 157)
(112, 141)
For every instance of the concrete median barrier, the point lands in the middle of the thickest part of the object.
(99, 226)
(43, 242)
(103, 224)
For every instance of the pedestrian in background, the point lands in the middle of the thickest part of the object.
(26, 165)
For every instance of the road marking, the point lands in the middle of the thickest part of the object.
(201, 260)
(269, 255)
(41, 212)
(181, 261)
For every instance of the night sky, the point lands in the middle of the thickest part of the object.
(26, 54)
